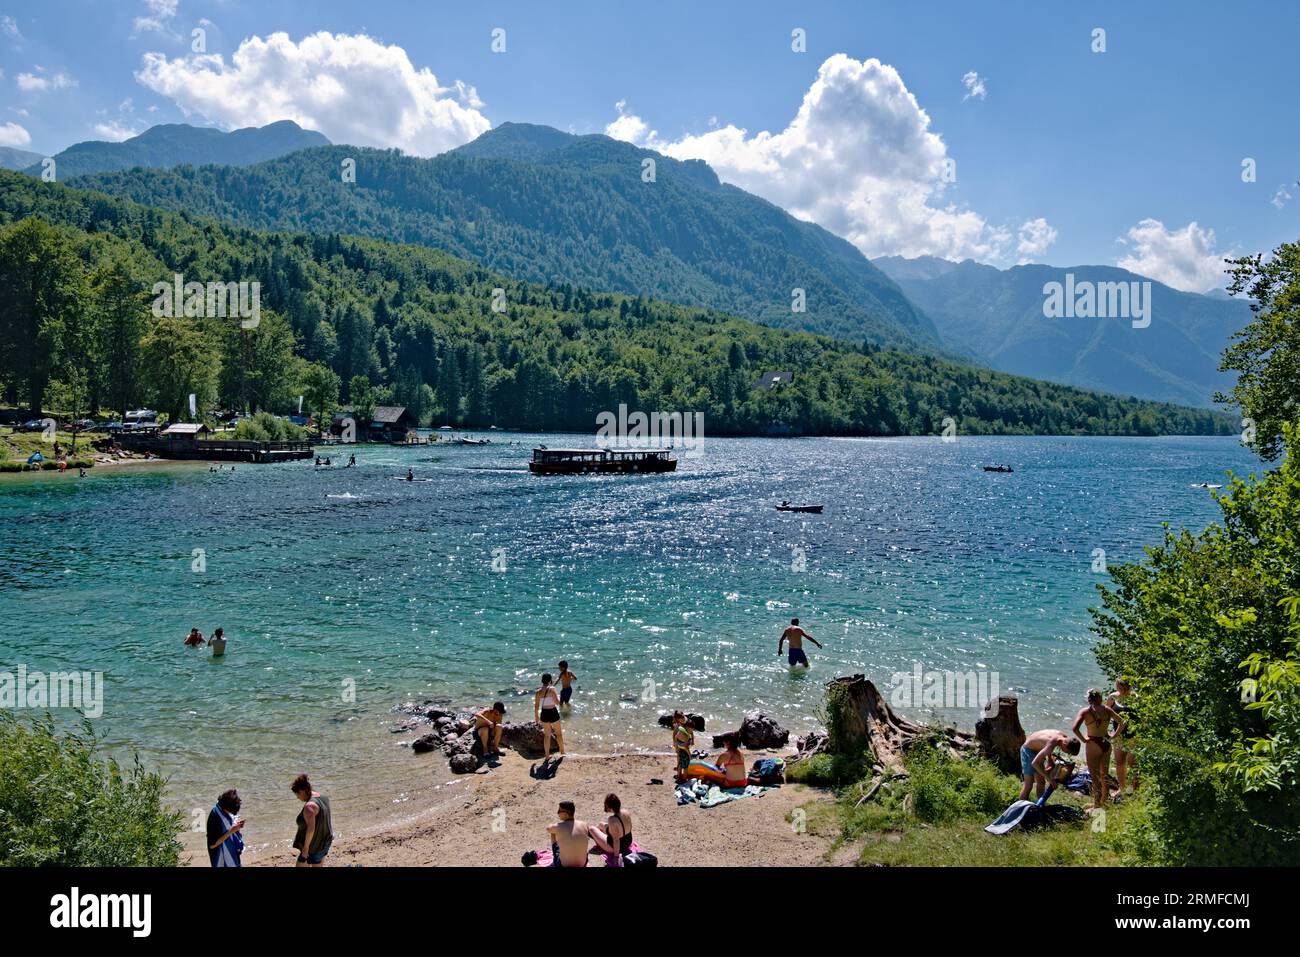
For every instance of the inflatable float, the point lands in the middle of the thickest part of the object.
(704, 771)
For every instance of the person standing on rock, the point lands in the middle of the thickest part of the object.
(546, 710)
(795, 635)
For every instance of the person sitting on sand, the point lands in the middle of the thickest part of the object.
(683, 742)
(218, 643)
(194, 639)
(488, 722)
(1097, 717)
(795, 635)
(565, 680)
(315, 827)
(732, 762)
(546, 709)
(616, 839)
(570, 838)
(1037, 760)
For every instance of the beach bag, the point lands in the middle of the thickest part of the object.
(767, 772)
(640, 858)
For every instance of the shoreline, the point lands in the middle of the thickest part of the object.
(490, 818)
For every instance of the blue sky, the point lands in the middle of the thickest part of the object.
(1062, 155)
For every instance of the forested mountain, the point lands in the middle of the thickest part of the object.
(997, 316)
(373, 322)
(544, 206)
(11, 158)
(172, 144)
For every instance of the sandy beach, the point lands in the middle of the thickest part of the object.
(490, 818)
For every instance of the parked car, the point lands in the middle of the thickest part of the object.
(85, 425)
(31, 425)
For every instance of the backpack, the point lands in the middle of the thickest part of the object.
(767, 772)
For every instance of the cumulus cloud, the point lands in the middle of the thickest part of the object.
(115, 131)
(11, 134)
(353, 89)
(9, 27)
(40, 81)
(1182, 258)
(858, 158)
(1035, 238)
(975, 87)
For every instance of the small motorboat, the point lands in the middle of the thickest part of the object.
(787, 507)
(1205, 485)
(998, 468)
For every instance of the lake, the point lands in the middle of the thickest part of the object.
(347, 591)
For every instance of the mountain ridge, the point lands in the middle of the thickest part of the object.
(545, 206)
(173, 144)
(996, 316)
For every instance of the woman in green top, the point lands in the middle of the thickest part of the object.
(315, 829)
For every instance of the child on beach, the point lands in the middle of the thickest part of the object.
(683, 742)
(565, 681)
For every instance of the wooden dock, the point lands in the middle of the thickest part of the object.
(185, 448)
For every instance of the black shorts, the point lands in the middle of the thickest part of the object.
(550, 715)
(566, 694)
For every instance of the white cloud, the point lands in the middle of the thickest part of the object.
(9, 27)
(115, 131)
(158, 18)
(353, 89)
(1035, 238)
(1281, 197)
(40, 81)
(859, 158)
(11, 134)
(975, 87)
(1182, 258)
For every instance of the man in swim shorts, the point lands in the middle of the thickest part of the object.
(570, 838)
(1036, 758)
(218, 643)
(488, 726)
(565, 681)
(795, 635)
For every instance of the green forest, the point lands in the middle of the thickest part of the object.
(364, 322)
(547, 207)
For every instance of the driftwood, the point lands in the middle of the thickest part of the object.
(999, 733)
(863, 720)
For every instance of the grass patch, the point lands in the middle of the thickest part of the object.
(936, 817)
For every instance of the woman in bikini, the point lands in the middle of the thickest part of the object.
(546, 710)
(732, 763)
(1121, 702)
(1097, 716)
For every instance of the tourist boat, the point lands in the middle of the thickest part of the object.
(998, 468)
(600, 461)
(787, 507)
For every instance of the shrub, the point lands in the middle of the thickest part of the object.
(62, 804)
(1207, 629)
(945, 789)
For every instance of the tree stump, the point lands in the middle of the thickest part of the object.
(861, 719)
(999, 733)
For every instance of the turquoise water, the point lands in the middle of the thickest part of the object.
(673, 587)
